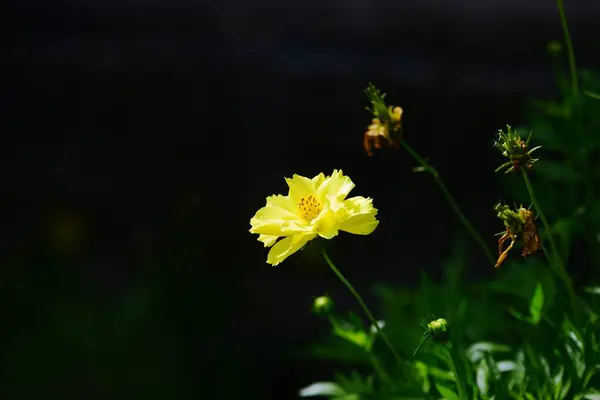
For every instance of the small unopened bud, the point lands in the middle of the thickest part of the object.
(554, 47)
(439, 330)
(322, 305)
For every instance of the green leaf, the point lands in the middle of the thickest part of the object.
(518, 315)
(592, 290)
(322, 389)
(355, 384)
(592, 395)
(477, 351)
(537, 304)
(422, 370)
(592, 94)
(446, 392)
(441, 374)
(482, 378)
(564, 391)
(348, 332)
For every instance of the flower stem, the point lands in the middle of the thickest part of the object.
(569, 43)
(362, 303)
(460, 384)
(425, 165)
(556, 261)
(385, 378)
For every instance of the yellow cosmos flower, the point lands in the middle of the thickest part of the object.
(313, 207)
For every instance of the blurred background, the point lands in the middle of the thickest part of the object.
(141, 136)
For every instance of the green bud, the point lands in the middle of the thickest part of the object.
(439, 330)
(554, 47)
(322, 305)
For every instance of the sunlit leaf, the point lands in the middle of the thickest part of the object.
(446, 392)
(441, 374)
(352, 335)
(507, 366)
(593, 290)
(564, 391)
(592, 94)
(537, 304)
(592, 395)
(322, 389)
(422, 370)
(355, 384)
(518, 315)
(477, 351)
(482, 377)
(545, 366)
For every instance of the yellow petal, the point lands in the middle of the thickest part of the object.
(300, 188)
(361, 216)
(336, 185)
(327, 224)
(277, 218)
(278, 227)
(283, 202)
(268, 240)
(318, 180)
(286, 247)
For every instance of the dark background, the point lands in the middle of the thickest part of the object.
(141, 137)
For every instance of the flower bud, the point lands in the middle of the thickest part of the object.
(439, 330)
(322, 305)
(554, 47)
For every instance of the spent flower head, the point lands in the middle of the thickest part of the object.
(386, 125)
(515, 149)
(520, 225)
(313, 207)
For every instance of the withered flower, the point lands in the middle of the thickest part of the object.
(386, 126)
(515, 149)
(520, 224)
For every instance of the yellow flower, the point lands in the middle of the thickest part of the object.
(313, 207)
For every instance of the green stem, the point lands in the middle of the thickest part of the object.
(362, 303)
(569, 43)
(460, 384)
(385, 378)
(451, 201)
(556, 260)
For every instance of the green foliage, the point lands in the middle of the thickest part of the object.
(523, 335)
(568, 174)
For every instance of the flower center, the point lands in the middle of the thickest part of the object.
(309, 207)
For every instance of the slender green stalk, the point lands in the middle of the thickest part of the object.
(381, 371)
(425, 165)
(362, 303)
(556, 260)
(460, 384)
(569, 43)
